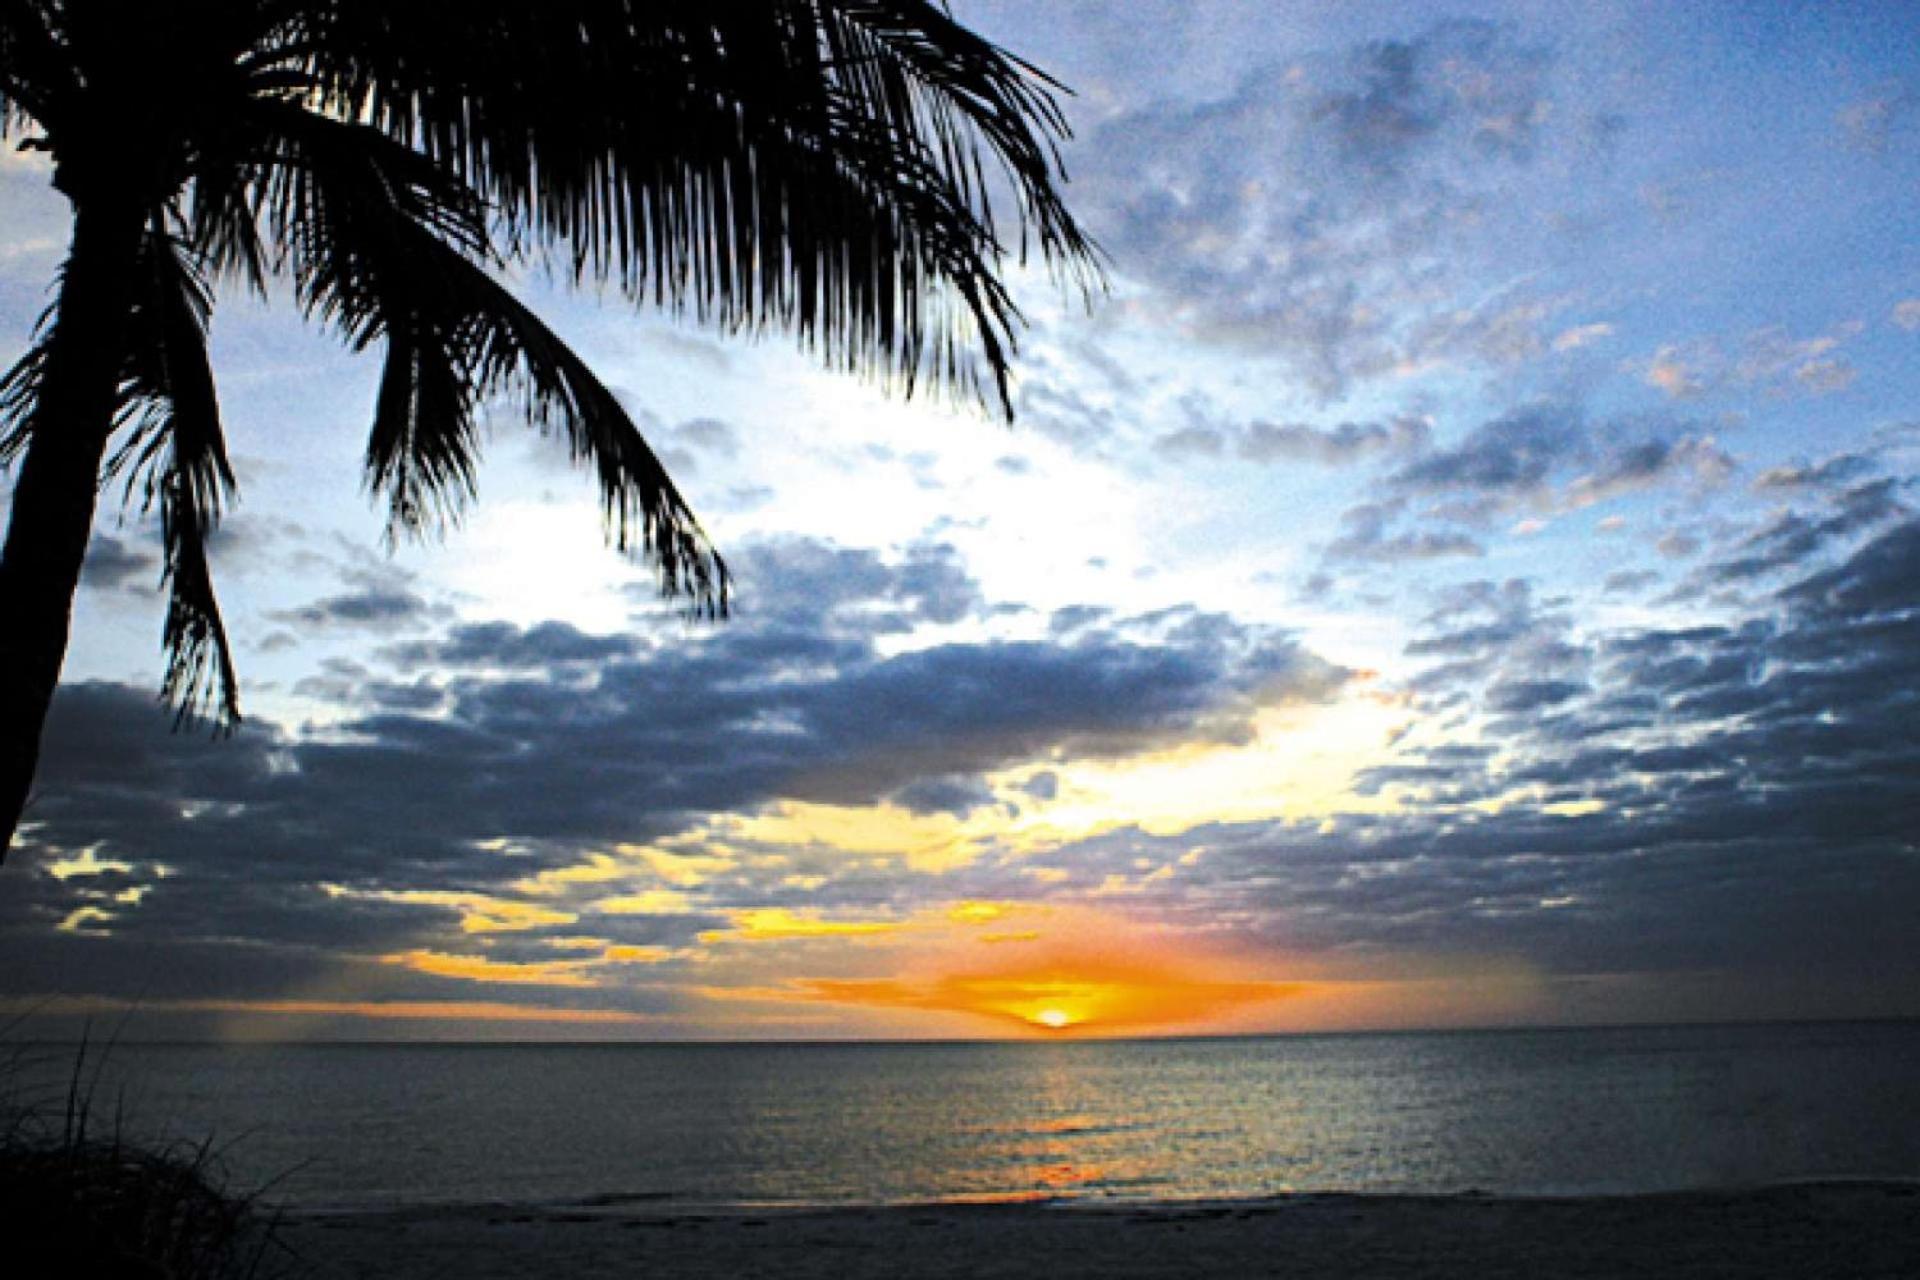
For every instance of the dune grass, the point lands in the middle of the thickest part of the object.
(81, 1194)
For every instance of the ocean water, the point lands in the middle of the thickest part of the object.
(1575, 1111)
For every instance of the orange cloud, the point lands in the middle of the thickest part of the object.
(1088, 993)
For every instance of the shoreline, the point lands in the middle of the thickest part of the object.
(641, 1204)
(1868, 1229)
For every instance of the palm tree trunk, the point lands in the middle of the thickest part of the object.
(59, 480)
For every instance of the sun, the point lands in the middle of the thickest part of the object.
(1053, 1019)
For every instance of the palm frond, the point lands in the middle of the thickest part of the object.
(817, 164)
(351, 210)
(389, 247)
(953, 86)
(511, 349)
(223, 224)
(862, 173)
(175, 456)
(35, 77)
(20, 389)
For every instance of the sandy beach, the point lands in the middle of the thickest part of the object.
(1858, 1230)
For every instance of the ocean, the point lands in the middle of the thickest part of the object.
(1527, 1112)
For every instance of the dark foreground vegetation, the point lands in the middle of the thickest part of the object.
(78, 1190)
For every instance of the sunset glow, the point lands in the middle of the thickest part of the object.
(1057, 990)
(1459, 573)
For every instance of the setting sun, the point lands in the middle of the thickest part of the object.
(1054, 1019)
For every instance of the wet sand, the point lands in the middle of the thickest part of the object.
(1862, 1231)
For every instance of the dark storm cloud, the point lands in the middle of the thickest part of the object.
(372, 608)
(476, 758)
(1738, 796)
(958, 796)
(544, 645)
(1322, 212)
(112, 565)
(1790, 539)
(1531, 695)
(1881, 579)
(798, 583)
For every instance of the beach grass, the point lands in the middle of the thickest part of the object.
(78, 1188)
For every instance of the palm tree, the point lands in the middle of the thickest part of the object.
(826, 166)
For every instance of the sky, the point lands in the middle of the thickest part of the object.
(1463, 572)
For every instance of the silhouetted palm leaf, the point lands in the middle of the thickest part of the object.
(831, 167)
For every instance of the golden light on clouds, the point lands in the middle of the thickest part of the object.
(549, 973)
(775, 924)
(87, 862)
(973, 912)
(546, 973)
(929, 842)
(1300, 762)
(628, 954)
(652, 902)
(635, 864)
(479, 912)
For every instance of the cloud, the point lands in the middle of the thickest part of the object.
(1338, 446)
(1802, 476)
(113, 565)
(1581, 336)
(1770, 360)
(1366, 537)
(1295, 443)
(958, 796)
(684, 447)
(461, 764)
(1631, 467)
(373, 608)
(1625, 580)
(1510, 455)
(1192, 442)
(1790, 539)
(1875, 123)
(1669, 371)
(1324, 212)
(1543, 458)
(1735, 795)
(777, 924)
